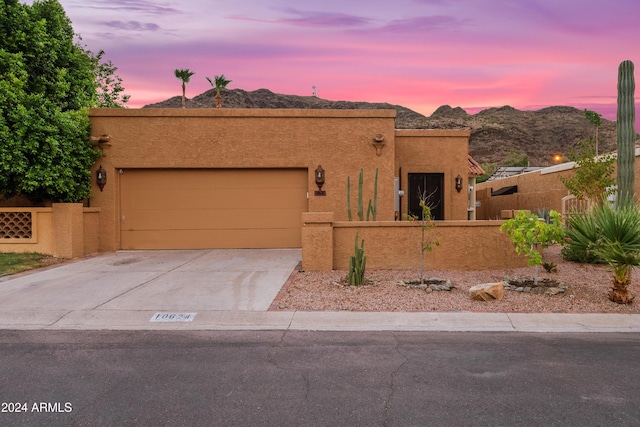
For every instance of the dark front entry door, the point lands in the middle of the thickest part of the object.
(429, 186)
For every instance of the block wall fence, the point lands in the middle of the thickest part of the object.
(395, 245)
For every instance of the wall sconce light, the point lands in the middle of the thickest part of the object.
(378, 142)
(458, 183)
(101, 177)
(320, 181)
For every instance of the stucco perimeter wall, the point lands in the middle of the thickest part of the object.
(391, 245)
(536, 190)
(65, 230)
(341, 141)
(436, 151)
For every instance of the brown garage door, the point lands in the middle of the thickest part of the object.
(212, 208)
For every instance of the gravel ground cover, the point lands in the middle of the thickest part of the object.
(587, 287)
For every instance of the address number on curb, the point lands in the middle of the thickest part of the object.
(172, 317)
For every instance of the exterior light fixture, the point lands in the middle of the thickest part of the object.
(101, 177)
(378, 143)
(458, 183)
(319, 174)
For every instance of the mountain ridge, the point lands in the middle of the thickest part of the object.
(496, 132)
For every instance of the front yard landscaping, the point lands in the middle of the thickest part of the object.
(12, 263)
(587, 286)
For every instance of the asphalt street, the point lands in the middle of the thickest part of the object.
(297, 378)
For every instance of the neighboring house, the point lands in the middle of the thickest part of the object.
(535, 190)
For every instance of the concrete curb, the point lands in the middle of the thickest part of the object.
(321, 321)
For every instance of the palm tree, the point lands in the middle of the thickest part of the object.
(220, 83)
(183, 74)
(614, 236)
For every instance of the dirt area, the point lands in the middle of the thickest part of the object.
(586, 291)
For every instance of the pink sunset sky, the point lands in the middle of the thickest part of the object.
(421, 54)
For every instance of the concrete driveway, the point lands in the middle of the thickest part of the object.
(226, 290)
(176, 281)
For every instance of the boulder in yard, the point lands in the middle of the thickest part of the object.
(487, 292)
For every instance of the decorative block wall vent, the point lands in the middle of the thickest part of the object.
(15, 225)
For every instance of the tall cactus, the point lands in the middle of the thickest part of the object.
(625, 126)
(349, 197)
(373, 207)
(360, 184)
(357, 265)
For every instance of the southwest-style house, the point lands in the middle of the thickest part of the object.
(269, 178)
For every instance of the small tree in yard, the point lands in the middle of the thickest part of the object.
(529, 234)
(427, 242)
(593, 177)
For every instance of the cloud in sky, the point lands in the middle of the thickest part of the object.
(132, 25)
(321, 19)
(132, 6)
(417, 53)
(422, 24)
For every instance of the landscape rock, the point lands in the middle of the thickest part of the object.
(487, 292)
(428, 285)
(550, 287)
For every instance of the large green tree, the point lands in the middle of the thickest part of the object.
(47, 82)
(110, 93)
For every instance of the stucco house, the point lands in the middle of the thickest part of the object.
(238, 178)
(255, 178)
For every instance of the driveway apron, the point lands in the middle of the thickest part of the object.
(175, 280)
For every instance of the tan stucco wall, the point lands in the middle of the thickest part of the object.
(68, 234)
(535, 191)
(41, 231)
(317, 240)
(65, 230)
(464, 245)
(436, 151)
(339, 141)
(91, 230)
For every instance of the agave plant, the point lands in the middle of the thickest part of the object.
(614, 236)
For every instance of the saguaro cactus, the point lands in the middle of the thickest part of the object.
(625, 126)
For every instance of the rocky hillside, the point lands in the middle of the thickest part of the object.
(495, 132)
